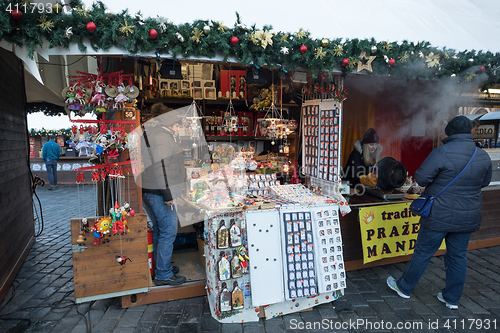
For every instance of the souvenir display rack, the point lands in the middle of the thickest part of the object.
(244, 247)
(321, 140)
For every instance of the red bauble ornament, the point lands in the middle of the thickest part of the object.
(482, 69)
(345, 62)
(234, 40)
(392, 62)
(17, 15)
(153, 33)
(91, 27)
(303, 49)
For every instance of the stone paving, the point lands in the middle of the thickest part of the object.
(42, 300)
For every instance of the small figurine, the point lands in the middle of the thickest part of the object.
(242, 255)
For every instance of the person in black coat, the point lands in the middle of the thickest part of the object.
(455, 214)
(163, 181)
(366, 153)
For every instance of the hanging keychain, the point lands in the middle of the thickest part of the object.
(222, 236)
(225, 299)
(242, 255)
(235, 265)
(237, 297)
(224, 267)
(235, 234)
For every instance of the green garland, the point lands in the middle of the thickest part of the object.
(47, 132)
(204, 38)
(48, 109)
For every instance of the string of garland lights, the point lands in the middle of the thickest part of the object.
(248, 45)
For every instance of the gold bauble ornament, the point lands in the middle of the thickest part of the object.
(57, 8)
(325, 42)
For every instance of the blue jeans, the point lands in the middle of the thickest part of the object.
(455, 260)
(52, 171)
(164, 220)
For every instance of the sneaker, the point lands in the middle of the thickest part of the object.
(175, 280)
(54, 187)
(175, 270)
(448, 305)
(391, 282)
(50, 188)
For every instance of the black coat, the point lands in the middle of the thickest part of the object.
(458, 208)
(355, 165)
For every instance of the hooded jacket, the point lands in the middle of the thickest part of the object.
(458, 208)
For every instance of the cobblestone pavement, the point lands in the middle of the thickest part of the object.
(42, 300)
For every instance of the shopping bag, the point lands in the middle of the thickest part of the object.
(422, 205)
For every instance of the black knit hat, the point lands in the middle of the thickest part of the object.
(370, 137)
(458, 125)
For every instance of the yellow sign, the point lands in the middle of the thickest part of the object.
(388, 231)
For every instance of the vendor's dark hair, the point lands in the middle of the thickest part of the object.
(476, 123)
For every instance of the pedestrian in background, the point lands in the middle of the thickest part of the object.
(51, 152)
(455, 214)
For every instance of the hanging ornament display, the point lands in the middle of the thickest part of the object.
(325, 42)
(234, 40)
(345, 62)
(17, 15)
(206, 29)
(91, 27)
(482, 68)
(374, 49)
(303, 49)
(368, 65)
(392, 62)
(179, 37)
(284, 50)
(230, 121)
(153, 33)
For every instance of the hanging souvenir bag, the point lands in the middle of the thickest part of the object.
(422, 205)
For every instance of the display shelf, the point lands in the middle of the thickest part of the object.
(180, 100)
(167, 101)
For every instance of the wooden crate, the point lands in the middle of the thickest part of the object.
(96, 271)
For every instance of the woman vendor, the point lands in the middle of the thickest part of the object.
(366, 153)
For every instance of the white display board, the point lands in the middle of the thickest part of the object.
(328, 248)
(264, 250)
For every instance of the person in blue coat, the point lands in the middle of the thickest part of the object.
(51, 152)
(455, 214)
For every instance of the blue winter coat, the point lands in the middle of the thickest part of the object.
(458, 208)
(51, 151)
